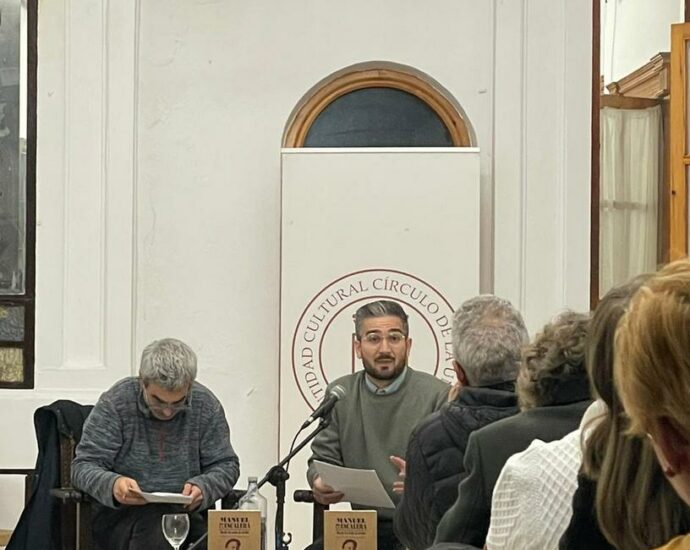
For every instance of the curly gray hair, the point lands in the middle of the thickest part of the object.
(556, 355)
(169, 363)
(488, 334)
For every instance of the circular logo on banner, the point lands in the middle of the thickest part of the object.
(323, 340)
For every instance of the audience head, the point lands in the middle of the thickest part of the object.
(488, 335)
(553, 364)
(627, 473)
(599, 353)
(652, 369)
(169, 364)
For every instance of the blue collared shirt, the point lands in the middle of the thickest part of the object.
(390, 388)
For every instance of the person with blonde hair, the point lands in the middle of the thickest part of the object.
(652, 373)
(618, 472)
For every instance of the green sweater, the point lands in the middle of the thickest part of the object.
(366, 429)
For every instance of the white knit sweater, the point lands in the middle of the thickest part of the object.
(532, 501)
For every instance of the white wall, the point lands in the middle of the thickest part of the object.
(160, 125)
(634, 31)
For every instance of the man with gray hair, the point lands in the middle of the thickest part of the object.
(159, 432)
(553, 392)
(488, 334)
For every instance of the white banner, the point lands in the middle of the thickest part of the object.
(360, 225)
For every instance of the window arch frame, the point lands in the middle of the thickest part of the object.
(358, 78)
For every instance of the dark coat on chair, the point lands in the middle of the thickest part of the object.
(39, 525)
(467, 521)
(435, 459)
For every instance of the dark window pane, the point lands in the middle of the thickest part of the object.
(11, 323)
(12, 149)
(378, 117)
(11, 365)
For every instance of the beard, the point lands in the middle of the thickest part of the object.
(384, 367)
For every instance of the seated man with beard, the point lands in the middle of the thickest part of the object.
(381, 406)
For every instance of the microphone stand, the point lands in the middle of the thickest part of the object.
(277, 476)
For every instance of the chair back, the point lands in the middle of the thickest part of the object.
(303, 495)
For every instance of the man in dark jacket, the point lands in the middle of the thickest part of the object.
(488, 333)
(553, 392)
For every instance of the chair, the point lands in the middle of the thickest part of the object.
(52, 505)
(303, 495)
(75, 507)
(28, 474)
(230, 501)
(47, 523)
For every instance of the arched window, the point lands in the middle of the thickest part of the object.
(382, 105)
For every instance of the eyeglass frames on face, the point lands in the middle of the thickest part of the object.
(376, 339)
(158, 405)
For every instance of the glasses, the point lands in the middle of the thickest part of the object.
(158, 405)
(375, 339)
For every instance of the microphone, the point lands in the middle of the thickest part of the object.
(337, 392)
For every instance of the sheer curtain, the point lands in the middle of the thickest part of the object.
(631, 143)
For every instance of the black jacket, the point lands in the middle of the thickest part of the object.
(583, 530)
(488, 449)
(435, 459)
(39, 525)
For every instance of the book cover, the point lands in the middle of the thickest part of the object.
(349, 530)
(234, 530)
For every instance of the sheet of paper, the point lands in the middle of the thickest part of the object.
(167, 498)
(361, 487)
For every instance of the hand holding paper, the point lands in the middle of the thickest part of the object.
(126, 491)
(325, 494)
(358, 486)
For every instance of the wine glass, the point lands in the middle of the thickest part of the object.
(175, 528)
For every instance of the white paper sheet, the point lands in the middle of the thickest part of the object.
(167, 498)
(361, 487)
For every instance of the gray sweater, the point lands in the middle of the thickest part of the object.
(366, 429)
(122, 438)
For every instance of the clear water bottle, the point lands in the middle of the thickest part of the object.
(254, 500)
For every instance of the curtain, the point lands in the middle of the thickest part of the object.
(630, 169)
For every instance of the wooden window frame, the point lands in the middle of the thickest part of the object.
(28, 299)
(654, 80)
(680, 153)
(354, 79)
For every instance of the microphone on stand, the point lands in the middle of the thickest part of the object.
(277, 475)
(337, 392)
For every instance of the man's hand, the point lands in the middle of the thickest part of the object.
(325, 494)
(195, 492)
(400, 464)
(127, 491)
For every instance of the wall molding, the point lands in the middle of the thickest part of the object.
(85, 291)
(541, 156)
